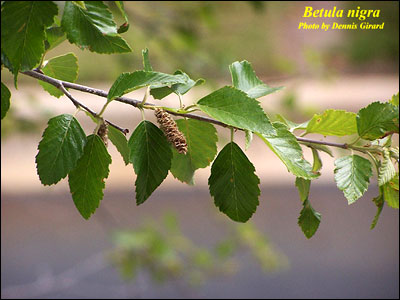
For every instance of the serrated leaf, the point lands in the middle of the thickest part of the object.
(146, 61)
(395, 100)
(60, 148)
(234, 184)
(317, 162)
(119, 140)
(352, 175)
(233, 107)
(333, 122)
(309, 220)
(86, 180)
(377, 119)
(92, 28)
(201, 139)
(5, 100)
(23, 31)
(128, 82)
(248, 139)
(178, 88)
(64, 67)
(150, 154)
(303, 186)
(379, 202)
(394, 152)
(386, 170)
(284, 144)
(245, 79)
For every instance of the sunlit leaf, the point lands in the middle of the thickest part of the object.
(352, 175)
(377, 119)
(233, 107)
(333, 122)
(245, 79)
(64, 67)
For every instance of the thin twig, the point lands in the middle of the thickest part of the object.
(138, 103)
(62, 85)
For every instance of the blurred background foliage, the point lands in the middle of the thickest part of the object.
(204, 37)
(162, 252)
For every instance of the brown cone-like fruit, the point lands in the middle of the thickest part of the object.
(171, 131)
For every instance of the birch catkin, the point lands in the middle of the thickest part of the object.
(103, 133)
(171, 131)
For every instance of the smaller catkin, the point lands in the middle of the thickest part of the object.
(102, 132)
(171, 131)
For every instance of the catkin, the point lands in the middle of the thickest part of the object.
(171, 131)
(102, 132)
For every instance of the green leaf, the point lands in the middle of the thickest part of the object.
(23, 31)
(303, 185)
(386, 170)
(233, 107)
(178, 88)
(92, 28)
(150, 154)
(394, 153)
(120, 142)
(352, 175)
(395, 100)
(86, 181)
(244, 78)
(146, 61)
(291, 125)
(377, 119)
(379, 202)
(333, 122)
(309, 220)
(391, 192)
(286, 147)
(64, 67)
(394, 182)
(201, 138)
(80, 4)
(54, 37)
(317, 162)
(5, 100)
(234, 184)
(60, 148)
(320, 148)
(249, 138)
(120, 5)
(128, 82)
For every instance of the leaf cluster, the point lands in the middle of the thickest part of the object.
(66, 150)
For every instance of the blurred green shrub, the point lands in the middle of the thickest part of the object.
(164, 253)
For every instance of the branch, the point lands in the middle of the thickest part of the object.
(138, 103)
(62, 85)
